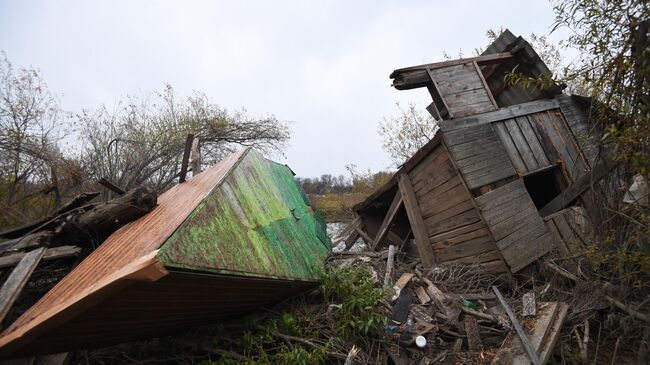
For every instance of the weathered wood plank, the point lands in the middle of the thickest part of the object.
(471, 247)
(533, 141)
(500, 114)
(388, 219)
(521, 258)
(440, 203)
(424, 194)
(485, 85)
(467, 217)
(417, 223)
(572, 193)
(50, 254)
(522, 145)
(14, 285)
(432, 221)
(509, 145)
(457, 231)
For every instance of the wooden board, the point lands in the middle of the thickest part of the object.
(512, 218)
(16, 282)
(462, 90)
(571, 230)
(484, 165)
(417, 223)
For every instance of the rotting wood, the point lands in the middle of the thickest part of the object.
(76, 202)
(417, 223)
(422, 295)
(500, 114)
(50, 254)
(186, 157)
(451, 307)
(105, 218)
(14, 285)
(364, 235)
(389, 264)
(388, 219)
(520, 331)
(110, 186)
(470, 325)
(576, 189)
(41, 238)
(403, 280)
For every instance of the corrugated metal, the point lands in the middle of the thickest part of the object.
(256, 224)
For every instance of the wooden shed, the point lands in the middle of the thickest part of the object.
(505, 156)
(236, 237)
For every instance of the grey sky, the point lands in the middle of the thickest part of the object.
(323, 65)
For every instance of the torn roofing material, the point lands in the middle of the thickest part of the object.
(233, 238)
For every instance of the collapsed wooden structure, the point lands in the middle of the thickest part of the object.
(506, 158)
(229, 240)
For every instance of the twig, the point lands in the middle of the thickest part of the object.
(303, 341)
(351, 355)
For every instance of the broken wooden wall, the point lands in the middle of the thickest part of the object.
(453, 222)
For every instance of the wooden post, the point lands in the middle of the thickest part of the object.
(14, 285)
(389, 265)
(186, 157)
(196, 157)
(417, 223)
(390, 215)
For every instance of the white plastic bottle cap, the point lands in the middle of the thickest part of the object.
(420, 341)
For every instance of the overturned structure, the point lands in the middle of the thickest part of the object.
(233, 238)
(491, 187)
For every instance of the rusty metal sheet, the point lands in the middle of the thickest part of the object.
(255, 223)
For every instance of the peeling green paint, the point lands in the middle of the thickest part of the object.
(257, 222)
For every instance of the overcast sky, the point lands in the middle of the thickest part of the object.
(323, 66)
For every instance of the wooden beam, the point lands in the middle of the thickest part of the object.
(186, 157)
(364, 235)
(485, 85)
(417, 223)
(573, 192)
(110, 186)
(501, 114)
(50, 254)
(483, 60)
(436, 90)
(14, 285)
(388, 219)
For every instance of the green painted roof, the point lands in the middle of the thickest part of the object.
(255, 222)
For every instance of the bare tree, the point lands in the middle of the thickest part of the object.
(142, 140)
(405, 133)
(30, 127)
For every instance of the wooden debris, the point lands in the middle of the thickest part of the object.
(389, 264)
(529, 305)
(470, 325)
(520, 331)
(78, 201)
(14, 285)
(385, 225)
(543, 336)
(31, 240)
(403, 280)
(50, 254)
(451, 307)
(110, 186)
(422, 295)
